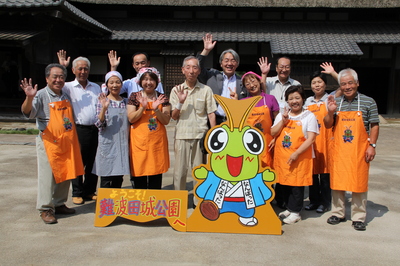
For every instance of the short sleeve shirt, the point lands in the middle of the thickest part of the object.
(192, 122)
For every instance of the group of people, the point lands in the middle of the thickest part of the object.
(325, 141)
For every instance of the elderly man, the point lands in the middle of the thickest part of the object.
(139, 60)
(355, 122)
(192, 104)
(224, 83)
(278, 85)
(57, 146)
(84, 96)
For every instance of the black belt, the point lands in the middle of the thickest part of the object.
(84, 126)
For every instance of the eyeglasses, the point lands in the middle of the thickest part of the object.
(283, 67)
(347, 83)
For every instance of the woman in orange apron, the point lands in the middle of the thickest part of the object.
(112, 157)
(320, 191)
(263, 113)
(148, 113)
(295, 132)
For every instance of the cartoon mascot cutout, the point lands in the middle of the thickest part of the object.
(233, 188)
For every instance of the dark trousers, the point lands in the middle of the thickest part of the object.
(320, 191)
(111, 181)
(279, 195)
(88, 140)
(147, 182)
(294, 197)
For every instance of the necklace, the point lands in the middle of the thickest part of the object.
(151, 97)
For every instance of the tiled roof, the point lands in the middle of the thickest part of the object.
(256, 3)
(177, 51)
(285, 37)
(61, 5)
(85, 17)
(17, 35)
(30, 3)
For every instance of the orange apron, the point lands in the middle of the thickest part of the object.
(299, 173)
(260, 118)
(149, 145)
(349, 170)
(61, 143)
(323, 141)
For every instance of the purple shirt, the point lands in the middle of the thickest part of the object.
(269, 101)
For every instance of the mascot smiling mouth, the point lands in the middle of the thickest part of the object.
(234, 165)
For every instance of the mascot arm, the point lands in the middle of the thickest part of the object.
(268, 175)
(201, 173)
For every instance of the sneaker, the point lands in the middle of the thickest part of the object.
(293, 218)
(284, 214)
(48, 216)
(78, 200)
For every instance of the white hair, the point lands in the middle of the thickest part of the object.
(348, 72)
(81, 58)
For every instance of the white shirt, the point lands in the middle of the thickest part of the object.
(276, 88)
(83, 101)
(228, 83)
(308, 121)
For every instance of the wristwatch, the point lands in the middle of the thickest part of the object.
(373, 145)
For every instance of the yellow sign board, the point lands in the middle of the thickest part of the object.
(141, 205)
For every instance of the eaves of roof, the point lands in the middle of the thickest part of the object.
(17, 35)
(58, 5)
(284, 37)
(255, 3)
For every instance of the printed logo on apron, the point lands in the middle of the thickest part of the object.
(67, 123)
(348, 135)
(286, 143)
(152, 124)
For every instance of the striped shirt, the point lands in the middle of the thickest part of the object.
(40, 106)
(113, 104)
(368, 108)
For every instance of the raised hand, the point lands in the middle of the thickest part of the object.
(26, 86)
(208, 42)
(331, 103)
(233, 94)
(181, 93)
(328, 68)
(114, 60)
(104, 101)
(142, 100)
(264, 66)
(62, 58)
(160, 100)
(285, 115)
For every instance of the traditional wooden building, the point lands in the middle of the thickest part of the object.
(361, 34)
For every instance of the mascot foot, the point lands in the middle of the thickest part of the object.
(209, 210)
(252, 221)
